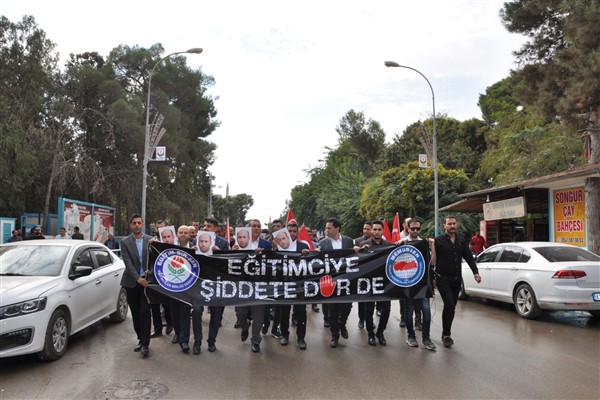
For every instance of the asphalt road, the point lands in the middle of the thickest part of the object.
(497, 355)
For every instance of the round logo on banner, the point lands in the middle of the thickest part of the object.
(405, 266)
(176, 270)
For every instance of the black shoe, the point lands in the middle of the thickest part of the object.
(334, 342)
(244, 336)
(381, 339)
(175, 339)
(276, 333)
(361, 324)
(145, 351)
(196, 348)
(184, 347)
(212, 347)
(315, 308)
(169, 329)
(294, 322)
(378, 313)
(344, 332)
(138, 347)
(155, 334)
(284, 341)
(265, 329)
(236, 325)
(302, 344)
(447, 341)
(255, 347)
(372, 340)
(326, 324)
(402, 324)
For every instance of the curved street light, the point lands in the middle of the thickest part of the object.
(195, 50)
(435, 169)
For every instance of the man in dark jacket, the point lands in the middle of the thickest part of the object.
(450, 249)
(134, 250)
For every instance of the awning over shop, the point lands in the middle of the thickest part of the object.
(535, 191)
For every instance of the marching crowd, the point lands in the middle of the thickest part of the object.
(446, 253)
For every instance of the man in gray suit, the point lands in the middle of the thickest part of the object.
(134, 250)
(338, 312)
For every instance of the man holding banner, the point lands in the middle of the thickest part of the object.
(338, 312)
(373, 244)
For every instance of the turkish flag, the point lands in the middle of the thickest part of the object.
(386, 231)
(396, 229)
(304, 236)
(290, 217)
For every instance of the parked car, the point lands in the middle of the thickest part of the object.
(51, 289)
(537, 276)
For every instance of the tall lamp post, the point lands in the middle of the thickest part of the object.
(195, 50)
(435, 169)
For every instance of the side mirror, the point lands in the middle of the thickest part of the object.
(79, 271)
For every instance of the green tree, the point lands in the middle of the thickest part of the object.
(409, 191)
(560, 69)
(233, 207)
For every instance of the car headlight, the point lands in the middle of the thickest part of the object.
(26, 307)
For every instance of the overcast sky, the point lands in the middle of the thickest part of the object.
(287, 71)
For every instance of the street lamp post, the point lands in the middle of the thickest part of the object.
(435, 169)
(195, 50)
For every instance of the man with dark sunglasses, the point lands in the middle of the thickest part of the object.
(423, 305)
(451, 248)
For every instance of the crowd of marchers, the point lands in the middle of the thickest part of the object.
(185, 322)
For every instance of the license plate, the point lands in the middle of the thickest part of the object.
(596, 296)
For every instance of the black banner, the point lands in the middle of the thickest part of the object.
(275, 277)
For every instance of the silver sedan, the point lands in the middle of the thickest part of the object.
(537, 276)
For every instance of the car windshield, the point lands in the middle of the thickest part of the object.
(32, 260)
(566, 254)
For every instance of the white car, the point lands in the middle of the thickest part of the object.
(537, 276)
(51, 289)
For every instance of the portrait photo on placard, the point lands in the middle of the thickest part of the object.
(167, 235)
(243, 238)
(205, 242)
(282, 239)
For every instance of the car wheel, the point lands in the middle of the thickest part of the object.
(121, 312)
(462, 295)
(57, 337)
(595, 313)
(526, 303)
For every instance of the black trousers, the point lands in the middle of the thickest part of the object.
(176, 317)
(338, 316)
(300, 313)
(361, 311)
(140, 313)
(449, 289)
(383, 319)
(216, 315)
(184, 330)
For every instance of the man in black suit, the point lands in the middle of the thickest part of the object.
(134, 250)
(338, 312)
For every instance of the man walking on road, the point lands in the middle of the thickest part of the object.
(450, 249)
(338, 312)
(134, 250)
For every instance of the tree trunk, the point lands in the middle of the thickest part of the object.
(592, 188)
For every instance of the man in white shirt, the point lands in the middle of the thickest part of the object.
(63, 234)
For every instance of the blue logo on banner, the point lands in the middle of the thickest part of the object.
(405, 266)
(176, 270)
